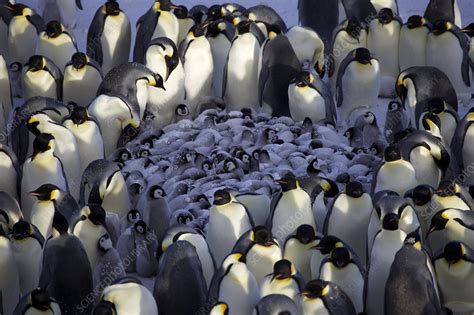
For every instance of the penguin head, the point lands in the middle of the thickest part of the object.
(222, 197)
(453, 252)
(207, 165)
(42, 143)
(392, 153)
(315, 289)
(305, 233)
(96, 214)
(216, 12)
(376, 148)
(283, 269)
(183, 217)
(33, 123)
(413, 239)
(229, 165)
(448, 188)
(40, 299)
(105, 308)
(36, 63)
(421, 195)
(438, 222)
(182, 111)
(60, 223)
(385, 16)
(104, 243)
(303, 79)
(22, 230)
(329, 188)
(79, 115)
(140, 227)
(440, 27)
(340, 257)
(313, 168)
(328, 243)
(156, 192)
(133, 216)
(354, 189)
(394, 106)
(362, 55)
(19, 9)
(288, 182)
(242, 26)
(431, 122)
(390, 222)
(353, 27)
(180, 11)
(370, 119)
(198, 30)
(46, 192)
(156, 81)
(469, 30)
(163, 5)
(415, 21)
(79, 60)
(54, 29)
(112, 8)
(262, 236)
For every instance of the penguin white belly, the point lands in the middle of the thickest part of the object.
(397, 176)
(125, 297)
(471, 50)
(5, 92)
(39, 83)
(80, 86)
(260, 260)
(220, 46)
(452, 232)
(257, 205)
(89, 235)
(59, 49)
(314, 306)
(426, 170)
(9, 277)
(468, 154)
(142, 96)
(306, 102)
(380, 4)
(386, 245)
(242, 85)
(155, 61)
(449, 202)
(115, 42)
(28, 256)
(184, 27)
(22, 39)
(445, 53)
(412, 47)
(349, 279)
(411, 98)
(42, 214)
(293, 210)
(167, 26)
(287, 287)
(116, 198)
(9, 176)
(457, 14)
(456, 283)
(300, 256)
(316, 259)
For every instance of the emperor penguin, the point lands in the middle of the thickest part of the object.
(156, 211)
(383, 41)
(323, 297)
(284, 279)
(38, 301)
(275, 304)
(469, 31)
(309, 47)
(446, 37)
(258, 204)
(103, 183)
(412, 46)
(420, 198)
(447, 10)
(220, 34)
(63, 11)
(394, 171)
(50, 196)
(56, 43)
(412, 86)
(42, 212)
(66, 148)
(228, 220)
(388, 241)
(321, 16)
(235, 285)
(10, 277)
(454, 273)
(88, 135)
(10, 213)
(109, 36)
(196, 55)
(43, 166)
(6, 14)
(127, 296)
(358, 83)
(310, 97)
(291, 207)
(382, 4)
(108, 264)
(82, 77)
(11, 171)
(396, 120)
(462, 137)
(412, 270)
(352, 208)
(23, 30)
(158, 21)
(41, 77)
(180, 261)
(162, 57)
(264, 15)
(118, 119)
(345, 270)
(349, 35)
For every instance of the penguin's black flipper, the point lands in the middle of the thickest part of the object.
(96, 29)
(144, 34)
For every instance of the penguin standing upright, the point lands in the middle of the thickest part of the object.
(381, 4)
(446, 10)
(309, 48)
(363, 10)
(63, 11)
(6, 14)
(10, 277)
(109, 36)
(156, 211)
(108, 264)
(462, 137)
(219, 35)
(11, 213)
(275, 304)
(41, 77)
(42, 212)
(185, 21)
(396, 120)
(412, 46)
(56, 43)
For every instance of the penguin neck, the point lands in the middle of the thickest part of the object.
(43, 156)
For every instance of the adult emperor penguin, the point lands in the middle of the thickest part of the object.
(56, 43)
(446, 10)
(63, 11)
(282, 221)
(417, 84)
(88, 136)
(275, 304)
(387, 243)
(10, 168)
(103, 183)
(383, 41)
(228, 220)
(469, 31)
(462, 137)
(264, 16)
(49, 195)
(62, 254)
(27, 245)
(23, 30)
(42, 212)
(352, 208)
(41, 77)
(446, 38)
(6, 95)
(240, 87)
(322, 297)
(158, 21)
(413, 271)
(310, 97)
(41, 167)
(321, 16)
(37, 301)
(109, 36)
(358, 83)
(412, 46)
(6, 14)
(118, 119)
(284, 279)
(454, 273)
(126, 296)
(219, 34)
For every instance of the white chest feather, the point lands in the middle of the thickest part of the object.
(115, 41)
(58, 49)
(412, 47)
(383, 41)
(306, 102)
(39, 83)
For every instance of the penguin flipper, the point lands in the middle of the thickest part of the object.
(94, 34)
(79, 4)
(144, 35)
(342, 68)
(262, 80)
(37, 21)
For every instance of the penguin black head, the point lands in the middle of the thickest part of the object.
(207, 165)
(46, 192)
(18, 9)
(421, 195)
(438, 222)
(415, 21)
(393, 106)
(229, 165)
(441, 27)
(392, 153)
(182, 111)
(376, 149)
(180, 11)
(246, 113)
(36, 63)
(354, 27)
(430, 120)
(42, 143)
(340, 257)
(171, 62)
(79, 115)
(273, 30)
(112, 8)
(354, 189)
(157, 81)
(40, 299)
(329, 187)
(362, 55)
(215, 12)
(313, 168)
(22, 230)
(282, 269)
(156, 192)
(184, 217)
(328, 243)
(469, 30)
(135, 189)
(390, 222)
(385, 15)
(303, 79)
(96, 214)
(263, 236)
(79, 60)
(447, 188)
(105, 243)
(454, 252)
(54, 29)
(124, 155)
(60, 223)
(140, 227)
(133, 215)
(369, 118)
(243, 26)
(288, 182)
(198, 30)
(105, 308)
(305, 233)
(221, 197)
(315, 289)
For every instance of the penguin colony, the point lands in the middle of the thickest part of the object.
(236, 165)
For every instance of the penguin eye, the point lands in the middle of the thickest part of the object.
(145, 153)
(315, 164)
(140, 229)
(373, 150)
(147, 144)
(245, 158)
(158, 193)
(205, 167)
(360, 151)
(140, 189)
(394, 106)
(124, 156)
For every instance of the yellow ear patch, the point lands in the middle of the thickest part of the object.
(444, 216)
